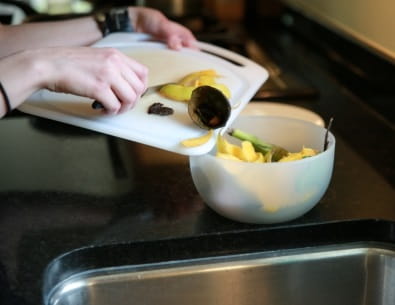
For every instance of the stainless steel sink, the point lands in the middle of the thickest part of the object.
(330, 275)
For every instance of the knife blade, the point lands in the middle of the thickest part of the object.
(98, 105)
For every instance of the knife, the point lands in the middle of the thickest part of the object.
(98, 105)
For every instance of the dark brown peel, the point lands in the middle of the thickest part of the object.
(209, 108)
(159, 109)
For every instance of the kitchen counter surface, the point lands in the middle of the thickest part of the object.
(63, 188)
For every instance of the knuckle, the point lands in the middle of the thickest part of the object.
(99, 88)
(157, 15)
(131, 98)
(111, 56)
(139, 89)
(113, 108)
(144, 72)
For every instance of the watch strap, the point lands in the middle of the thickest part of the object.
(114, 20)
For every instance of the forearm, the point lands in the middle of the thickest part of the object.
(75, 32)
(25, 74)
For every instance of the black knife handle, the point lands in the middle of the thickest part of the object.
(97, 105)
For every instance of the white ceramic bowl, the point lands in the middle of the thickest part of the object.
(267, 192)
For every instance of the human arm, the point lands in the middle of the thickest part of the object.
(85, 31)
(74, 32)
(103, 74)
(47, 65)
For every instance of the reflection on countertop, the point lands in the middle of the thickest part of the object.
(62, 189)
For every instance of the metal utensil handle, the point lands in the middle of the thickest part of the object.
(97, 105)
(327, 133)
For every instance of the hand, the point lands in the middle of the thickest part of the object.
(103, 74)
(153, 22)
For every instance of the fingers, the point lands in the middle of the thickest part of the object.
(178, 36)
(127, 87)
(122, 81)
(176, 42)
(136, 71)
(130, 83)
(153, 22)
(103, 74)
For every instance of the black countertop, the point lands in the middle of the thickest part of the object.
(63, 188)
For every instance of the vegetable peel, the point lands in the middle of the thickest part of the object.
(193, 142)
(182, 90)
(253, 149)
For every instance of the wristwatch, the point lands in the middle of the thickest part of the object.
(114, 20)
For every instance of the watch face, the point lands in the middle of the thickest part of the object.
(118, 20)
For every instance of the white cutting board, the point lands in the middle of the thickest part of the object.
(165, 66)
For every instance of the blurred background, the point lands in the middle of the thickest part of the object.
(368, 22)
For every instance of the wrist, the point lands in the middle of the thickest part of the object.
(39, 64)
(114, 20)
(39, 70)
(24, 76)
(5, 105)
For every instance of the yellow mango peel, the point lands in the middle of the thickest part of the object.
(193, 142)
(177, 92)
(192, 78)
(304, 153)
(182, 90)
(245, 152)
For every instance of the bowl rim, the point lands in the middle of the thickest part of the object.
(330, 149)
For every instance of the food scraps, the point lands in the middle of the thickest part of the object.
(304, 153)
(193, 142)
(253, 149)
(209, 108)
(159, 109)
(182, 90)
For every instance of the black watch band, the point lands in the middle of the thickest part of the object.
(114, 20)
